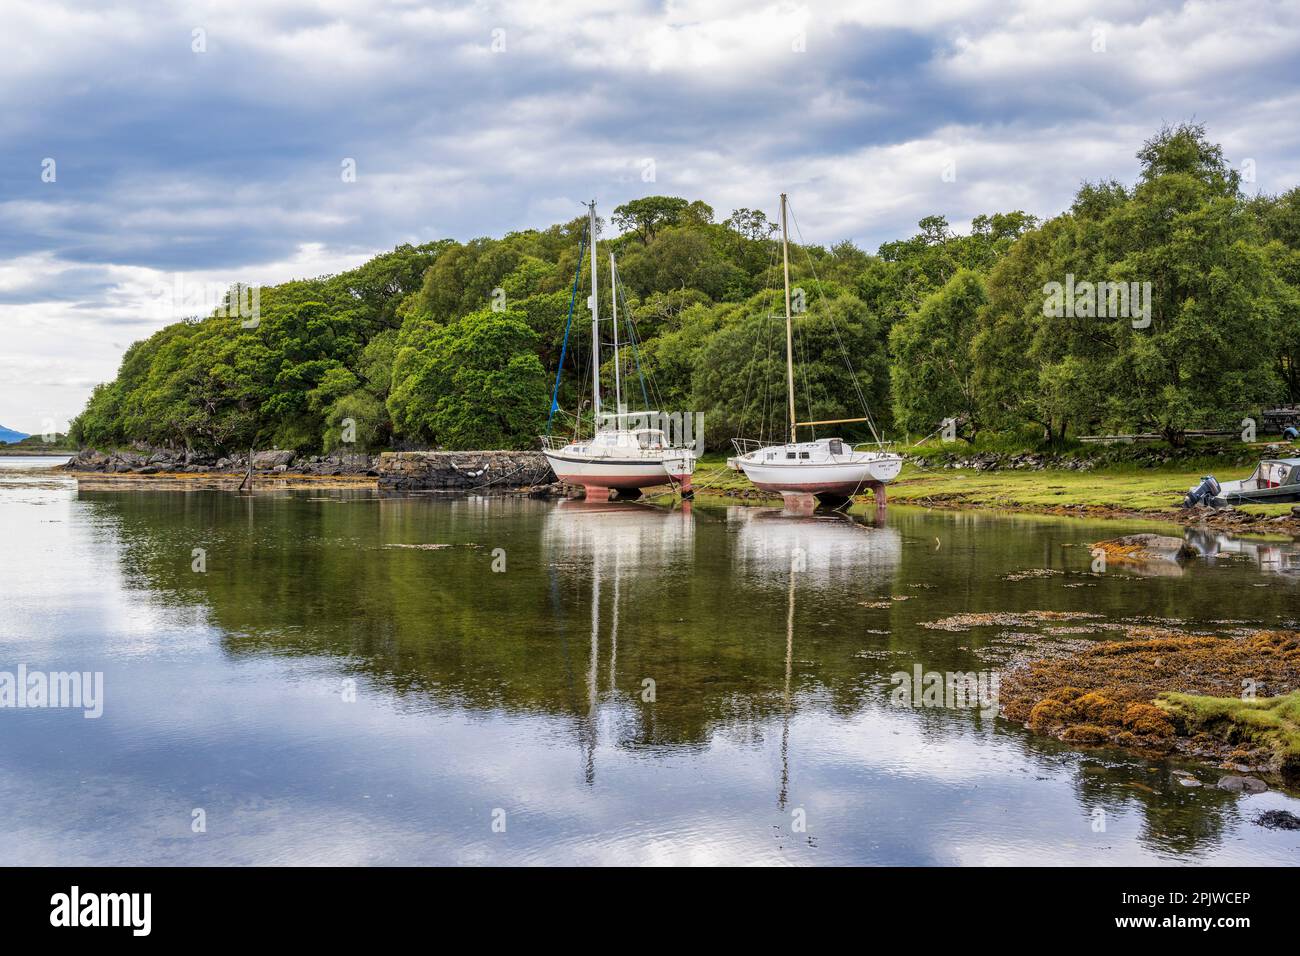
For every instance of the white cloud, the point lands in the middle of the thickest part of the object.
(56, 350)
(227, 163)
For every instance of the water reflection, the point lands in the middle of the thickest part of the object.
(769, 640)
(1272, 557)
(813, 552)
(602, 539)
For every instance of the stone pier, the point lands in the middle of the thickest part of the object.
(462, 471)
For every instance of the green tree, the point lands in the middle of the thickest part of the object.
(476, 383)
(933, 365)
(646, 216)
(739, 371)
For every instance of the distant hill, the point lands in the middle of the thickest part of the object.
(8, 435)
(37, 445)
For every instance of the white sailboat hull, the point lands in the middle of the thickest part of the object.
(844, 476)
(599, 473)
(574, 465)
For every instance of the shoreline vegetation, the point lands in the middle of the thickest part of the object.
(1124, 484)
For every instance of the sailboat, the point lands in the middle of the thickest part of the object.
(623, 457)
(829, 469)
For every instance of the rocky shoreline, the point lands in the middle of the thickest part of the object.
(158, 461)
(528, 472)
(408, 471)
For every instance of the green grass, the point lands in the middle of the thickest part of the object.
(1126, 487)
(1113, 487)
(1271, 722)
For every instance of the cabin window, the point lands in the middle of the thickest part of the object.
(804, 454)
(837, 447)
(789, 454)
(1274, 473)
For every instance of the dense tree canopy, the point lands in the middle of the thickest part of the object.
(1171, 304)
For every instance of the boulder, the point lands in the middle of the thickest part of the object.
(1235, 784)
(88, 459)
(269, 460)
(1147, 547)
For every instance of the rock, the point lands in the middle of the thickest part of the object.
(1278, 820)
(1235, 784)
(1147, 547)
(267, 460)
(352, 464)
(88, 459)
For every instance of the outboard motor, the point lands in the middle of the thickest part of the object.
(1203, 493)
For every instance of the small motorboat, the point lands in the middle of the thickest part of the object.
(1274, 481)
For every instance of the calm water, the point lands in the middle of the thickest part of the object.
(326, 696)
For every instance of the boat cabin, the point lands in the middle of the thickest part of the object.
(823, 449)
(624, 441)
(1273, 473)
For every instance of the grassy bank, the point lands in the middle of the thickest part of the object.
(1121, 490)
(1269, 725)
(1115, 487)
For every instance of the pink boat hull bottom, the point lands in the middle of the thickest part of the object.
(800, 497)
(600, 487)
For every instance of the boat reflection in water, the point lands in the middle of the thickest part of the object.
(619, 539)
(814, 553)
(832, 550)
(1274, 557)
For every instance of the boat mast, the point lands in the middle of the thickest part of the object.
(613, 304)
(789, 326)
(595, 329)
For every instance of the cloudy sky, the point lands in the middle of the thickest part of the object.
(144, 144)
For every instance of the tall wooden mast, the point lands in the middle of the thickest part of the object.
(595, 328)
(789, 322)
